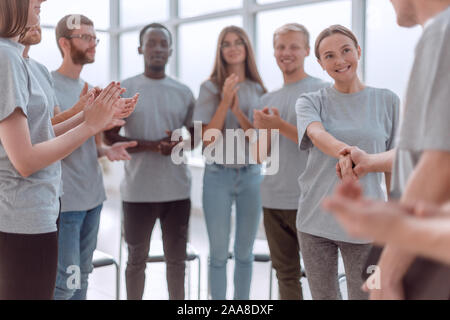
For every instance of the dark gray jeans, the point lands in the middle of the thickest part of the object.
(139, 220)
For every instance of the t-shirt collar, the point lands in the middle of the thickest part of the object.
(13, 44)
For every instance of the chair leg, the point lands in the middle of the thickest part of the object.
(117, 280)
(189, 279)
(270, 281)
(208, 292)
(199, 275)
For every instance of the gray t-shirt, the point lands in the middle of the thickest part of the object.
(426, 121)
(27, 205)
(81, 172)
(45, 80)
(281, 191)
(366, 119)
(163, 105)
(207, 104)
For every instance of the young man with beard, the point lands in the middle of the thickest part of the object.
(280, 192)
(83, 188)
(153, 186)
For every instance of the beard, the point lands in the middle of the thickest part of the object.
(30, 41)
(80, 57)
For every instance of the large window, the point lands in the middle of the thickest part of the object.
(97, 10)
(197, 23)
(141, 12)
(334, 12)
(389, 48)
(132, 63)
(189, 8)
(48, 53)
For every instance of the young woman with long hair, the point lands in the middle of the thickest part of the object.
(225, 103)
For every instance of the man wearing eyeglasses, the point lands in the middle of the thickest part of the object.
(83, 188)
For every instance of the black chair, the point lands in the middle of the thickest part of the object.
(102, 259)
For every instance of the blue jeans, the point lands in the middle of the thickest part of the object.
(222, 186)
(77, 241)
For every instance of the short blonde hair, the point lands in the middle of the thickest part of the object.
(292, 27)
(334, 29)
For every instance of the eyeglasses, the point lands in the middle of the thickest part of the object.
(85, 37)
(237, 43)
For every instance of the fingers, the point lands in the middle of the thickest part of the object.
(346, 165)
(365, 286)
(275, 111)
(106, 90)
(126, 145)
(266, 110)
(338, 171)
(349, 189)
(85, 89)
(346, 151)
(114, 123)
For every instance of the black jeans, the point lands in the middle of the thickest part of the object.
(28, 266)
(139, 220)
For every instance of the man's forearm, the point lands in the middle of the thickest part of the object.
(68, 124)
(428, 237)
(382, 162)
(289, 131)
(112, 137)
(425, 184)
(66, 115)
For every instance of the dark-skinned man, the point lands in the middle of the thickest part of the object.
(153, 186)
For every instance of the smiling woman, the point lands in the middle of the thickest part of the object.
(347, 114)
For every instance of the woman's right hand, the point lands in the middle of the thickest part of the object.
(346, 166)
(100, 111)
(230, 89)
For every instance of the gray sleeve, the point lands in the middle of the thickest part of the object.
(259, 106)
(188, 122)
(54, 96)
(437, 120)
(13, 85)
(394, 119)
(207, 103)
(307, 113)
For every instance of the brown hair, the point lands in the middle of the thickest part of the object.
(334, 29)
(292, 27)
(219, 74)
(64, 29)
(13, 17)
